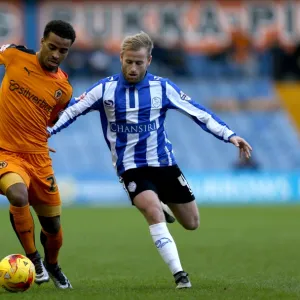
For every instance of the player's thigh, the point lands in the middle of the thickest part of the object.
(10, 163)
(44, 195)
(187, 214)
(135, 182)
(149, 205)
(143, 194)
(14, 188)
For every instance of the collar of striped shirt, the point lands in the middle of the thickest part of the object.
(143, 83)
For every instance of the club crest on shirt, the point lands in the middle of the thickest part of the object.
(131, 187)
(184, 96)
(3, 164)
(156, 102)
(58, 93)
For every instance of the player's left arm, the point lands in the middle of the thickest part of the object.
(89, 101)
(206, 119)
(58, 110)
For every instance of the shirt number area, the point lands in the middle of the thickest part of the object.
(52, 183)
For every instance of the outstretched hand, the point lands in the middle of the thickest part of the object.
(244, 147)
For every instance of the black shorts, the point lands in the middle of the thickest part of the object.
(167, 182)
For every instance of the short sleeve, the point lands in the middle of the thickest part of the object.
(6, 54)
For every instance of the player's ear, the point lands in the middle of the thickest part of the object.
(42, 41)
(149, 60)
(121, 57)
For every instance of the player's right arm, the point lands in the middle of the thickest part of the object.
(203, 117)
(7, 54)
(90, 100)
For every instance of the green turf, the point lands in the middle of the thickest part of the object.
(238, 253)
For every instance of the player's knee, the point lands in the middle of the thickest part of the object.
(193, 223)
(153, 214)
(50, 224)
(17, 195)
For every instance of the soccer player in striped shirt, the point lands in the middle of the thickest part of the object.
(133, 106)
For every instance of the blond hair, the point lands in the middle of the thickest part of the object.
(136, 42)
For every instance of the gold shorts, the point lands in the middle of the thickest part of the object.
(36, 172)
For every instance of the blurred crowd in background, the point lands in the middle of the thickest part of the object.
(227, 55)
(240, 59)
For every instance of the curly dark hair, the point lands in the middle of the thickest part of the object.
(61, 28)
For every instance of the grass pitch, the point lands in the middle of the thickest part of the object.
(238, 253)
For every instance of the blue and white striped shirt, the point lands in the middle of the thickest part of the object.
(133, 116)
